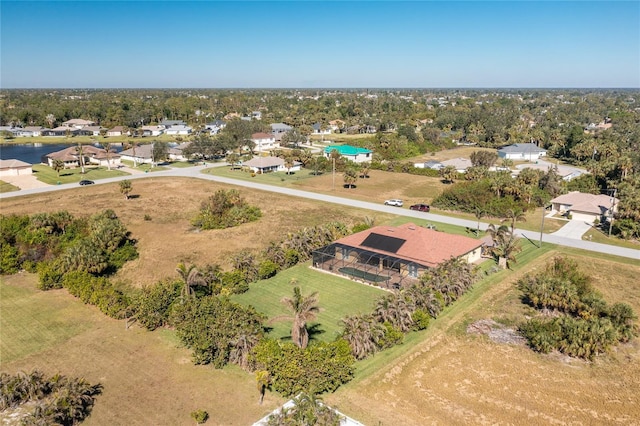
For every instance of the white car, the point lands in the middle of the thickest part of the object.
(394, 202)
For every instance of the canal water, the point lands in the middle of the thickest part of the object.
(33, 152)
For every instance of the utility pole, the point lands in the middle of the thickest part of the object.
(613, 205)
(334, 173)
(544, 213)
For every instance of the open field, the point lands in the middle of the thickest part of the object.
(168, 238)
(338, 297)
(147, 378)
(451, 377)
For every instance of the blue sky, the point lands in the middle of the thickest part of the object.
(297, 44)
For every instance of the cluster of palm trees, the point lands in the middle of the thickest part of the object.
(55, 400)
(583, 324)
(398, 311)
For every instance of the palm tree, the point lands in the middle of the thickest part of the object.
(363, 333)
(190, 277)
(505, 244)
(304, 309)
(396, 309)
(350, 177)
(51, 119)
(107, 148)
(80, 153)
(57, 165)
(516, 215)
(479, 214)
(449, 174)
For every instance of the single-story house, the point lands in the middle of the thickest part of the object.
(461, 164)
(522, 151)
(35, 130)
(269, 164)
(264, 141)
(585, 207)
(170, 123)
(280, 128)
(15, 167)
(392, 256)
(431, 164)
(89, 131)
(60, 131)
(215, 126)
(152, 130)
(139, 154)
(352, 153)
(178, 129)
(177, 152)
(318, 129)
(116, 131)
(336, 125)
(77, 123)
(92, 155)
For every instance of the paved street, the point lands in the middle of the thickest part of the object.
(566, 238)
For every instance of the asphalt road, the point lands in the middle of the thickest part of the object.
(196, 173)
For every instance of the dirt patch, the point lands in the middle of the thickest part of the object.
(498, 333)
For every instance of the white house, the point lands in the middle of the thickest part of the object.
(35, 130)
(170, 123)
(270, 164)
(116, 131)
(77, 123)
(91, 155)
(461, 164)
(280, 128)
(319, 130)
(152, 130)
(264, 141)
(431, 164)
(140, 154)
(351, 153)
(522, 151)
(215, 126)
(177, 152)
(14, 168)
(178, 129)
(585, 207)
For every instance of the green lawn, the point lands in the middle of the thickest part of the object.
(597, 236)
(7, 187)
(33, 320)
(47, 175)
(338, 297)
(145, 167)
(276, 178)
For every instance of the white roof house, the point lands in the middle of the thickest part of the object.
(522, 151)
(461, 164)
(78, 123)
(178, 129)
(264, 141)
(280, 128)
(269, 164)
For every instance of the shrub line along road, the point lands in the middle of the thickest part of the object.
(196, 172)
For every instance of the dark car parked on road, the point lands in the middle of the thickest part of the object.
(420, 207)
(86, 182)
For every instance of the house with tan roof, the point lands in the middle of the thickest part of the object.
(13, 167)
(585, 207)
(262, 165)
(117, 131)
(461, 164)
(92, 155)
(393, 257)
(77, 123)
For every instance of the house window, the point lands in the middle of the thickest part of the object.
(413, 270)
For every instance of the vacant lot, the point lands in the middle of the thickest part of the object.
(456, 378)
(159, 216)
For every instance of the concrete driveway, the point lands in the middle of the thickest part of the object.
(573, 229)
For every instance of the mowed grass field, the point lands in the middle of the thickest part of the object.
(338, 297)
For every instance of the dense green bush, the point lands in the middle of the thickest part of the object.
(320, 367)
(97, 291)
(225, 209)
(152, 304)
(217, 330)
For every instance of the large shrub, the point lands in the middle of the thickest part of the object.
(225, 209)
